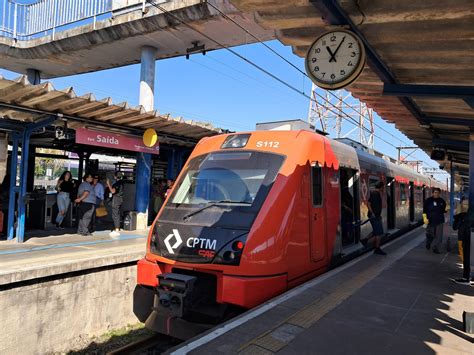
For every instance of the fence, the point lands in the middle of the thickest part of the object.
(24, 21)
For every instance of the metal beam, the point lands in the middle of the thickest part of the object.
(449, 120)
(443, 91)
(438, 142)
(334, 14)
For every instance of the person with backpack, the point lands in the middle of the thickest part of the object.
(434, 209)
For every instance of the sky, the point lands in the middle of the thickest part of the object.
(224, 90)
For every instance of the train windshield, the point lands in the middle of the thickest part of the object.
(223, 188)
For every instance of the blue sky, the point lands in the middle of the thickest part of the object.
(222, 89)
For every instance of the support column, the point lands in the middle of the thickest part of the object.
(12, 194)
(147, 78)
(30, 183)
(20, 229)
(471, 172)
(171, 163)
(143, 172)
(33, 76)
(142, 185)
(451, 197)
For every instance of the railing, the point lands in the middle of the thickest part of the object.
(24, 21)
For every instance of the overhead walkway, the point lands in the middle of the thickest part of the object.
(404, 303)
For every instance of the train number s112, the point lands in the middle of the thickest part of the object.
(268, 144)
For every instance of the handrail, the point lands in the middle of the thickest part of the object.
(22, 21)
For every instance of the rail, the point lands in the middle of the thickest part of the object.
(23, 21)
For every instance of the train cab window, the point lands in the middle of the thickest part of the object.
(317, 185)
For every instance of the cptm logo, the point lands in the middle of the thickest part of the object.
(176, 244)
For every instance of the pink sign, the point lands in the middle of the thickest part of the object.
(114, 140)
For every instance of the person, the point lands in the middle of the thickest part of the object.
(347, 215)
(64, 188)
(5, 201)
(99, 198)
(463, 223)
(116, 189)
(434, 209)
(374, 204)
(86, 201)
(169, 187)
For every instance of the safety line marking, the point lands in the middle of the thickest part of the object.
(226, 327)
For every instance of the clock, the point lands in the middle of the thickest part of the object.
(335, 59)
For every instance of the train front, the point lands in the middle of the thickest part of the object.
(198, 269)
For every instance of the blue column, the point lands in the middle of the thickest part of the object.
(20, 229)
(471, 173)
(171, 160)
(142, 182)
(12, 194)
(451, 197)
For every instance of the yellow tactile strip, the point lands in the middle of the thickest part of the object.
(268, 343)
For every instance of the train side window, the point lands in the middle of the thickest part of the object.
(317, 185)
(403, 192)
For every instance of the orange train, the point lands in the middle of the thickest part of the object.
(254, 214)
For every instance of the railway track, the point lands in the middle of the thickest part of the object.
(154, 344)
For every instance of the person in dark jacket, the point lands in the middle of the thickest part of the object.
(463, 223)
(374, 204)
(434, 209)
(116, 189)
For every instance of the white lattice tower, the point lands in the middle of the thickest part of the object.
(336, 112)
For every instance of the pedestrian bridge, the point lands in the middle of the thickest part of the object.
(57, 39)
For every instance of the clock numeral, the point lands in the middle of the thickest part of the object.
(353, 54)
(323, 74)
(316, 68)
(324, 43)
(350, 64)
(333, 38)
(333, 76)
(343, 72)
(351, 44)
(318, 50)
(314, 60)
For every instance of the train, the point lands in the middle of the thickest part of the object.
(254, 214)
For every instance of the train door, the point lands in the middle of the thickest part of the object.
(412, 202)
(350, 206)
(390, 190)
(317, 215)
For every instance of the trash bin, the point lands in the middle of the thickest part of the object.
(130, 221)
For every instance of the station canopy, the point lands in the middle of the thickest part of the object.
(420, 59)
(23, 103)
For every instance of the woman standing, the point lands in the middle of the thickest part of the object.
(116, 189)
(64, 188)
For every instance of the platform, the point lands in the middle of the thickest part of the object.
(44, 256)
(68, 288)
(401, 303)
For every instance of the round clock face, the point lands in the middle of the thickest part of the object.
(335, 59)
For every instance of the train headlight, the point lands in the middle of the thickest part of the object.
(231, 253)
(236, 141)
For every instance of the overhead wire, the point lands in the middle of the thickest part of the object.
(258, 67)
(266, 72)
(223, 14)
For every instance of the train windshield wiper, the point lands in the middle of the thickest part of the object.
(214, 203)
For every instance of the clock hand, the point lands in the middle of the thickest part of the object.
(337, 49)
(331, 54)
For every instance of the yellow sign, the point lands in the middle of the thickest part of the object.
(150, 137)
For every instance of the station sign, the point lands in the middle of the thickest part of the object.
(114, 140)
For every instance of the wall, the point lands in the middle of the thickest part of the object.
(54, 313)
